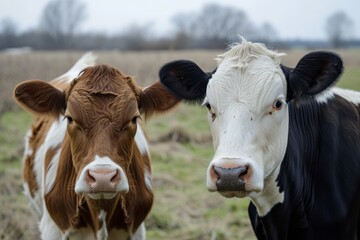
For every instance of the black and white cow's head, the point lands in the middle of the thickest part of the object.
(247, 97)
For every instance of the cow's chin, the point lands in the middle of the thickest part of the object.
(102, 195)
(249, 189)
(237, 194)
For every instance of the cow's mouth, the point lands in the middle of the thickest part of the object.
(231, 194)
(102, 195)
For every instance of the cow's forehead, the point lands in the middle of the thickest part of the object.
(254, 83)
(105, 80)
(102, 93)
(247, 65)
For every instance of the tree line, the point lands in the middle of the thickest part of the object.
(214, 26)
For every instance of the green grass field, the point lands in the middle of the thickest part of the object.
(180, 143)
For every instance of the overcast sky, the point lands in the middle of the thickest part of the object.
(292, 19)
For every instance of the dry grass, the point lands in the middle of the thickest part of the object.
(180, 144)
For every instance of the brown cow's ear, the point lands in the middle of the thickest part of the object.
(40, 97)
(156, 99)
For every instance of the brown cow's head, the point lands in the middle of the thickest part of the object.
(102, 108)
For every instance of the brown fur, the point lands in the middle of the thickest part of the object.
(101, 106)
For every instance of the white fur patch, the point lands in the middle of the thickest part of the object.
(140, 233)
(102, 233)
(51, 173)
(87, 60)
(48, 229)
(141, 141)
(325, 96)
(148, 180)
(54, 138)
(329, 94)
(28, 150)
(350, 95)
(267, 199)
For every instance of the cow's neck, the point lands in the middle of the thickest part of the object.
(302, 142)
(104, 214)
(270, 196)
(303, 137)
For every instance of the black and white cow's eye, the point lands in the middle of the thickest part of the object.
(208, 106)
(213, 115)
(277, 105)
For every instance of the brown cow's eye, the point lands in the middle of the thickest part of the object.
(69, 119)
(134, 120)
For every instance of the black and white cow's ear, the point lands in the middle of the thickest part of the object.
(314, 73)
(185, 80)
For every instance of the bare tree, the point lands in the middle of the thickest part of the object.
(184, 27)
(267, 33)
(135, 37)
(60, 20)
(216, 21)
(338, 28)
(215, 26)
(8, 33)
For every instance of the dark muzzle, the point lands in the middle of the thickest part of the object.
(230, 179)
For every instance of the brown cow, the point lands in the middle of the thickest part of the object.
(86, 163)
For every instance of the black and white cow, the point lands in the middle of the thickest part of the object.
(284, 137)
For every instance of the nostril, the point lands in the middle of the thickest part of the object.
(243, 171)
(116, 177)
(90, 177)
(215, 174)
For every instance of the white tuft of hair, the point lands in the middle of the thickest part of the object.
(87, 60)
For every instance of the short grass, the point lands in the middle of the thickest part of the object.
(350, 79)
(12, 126)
